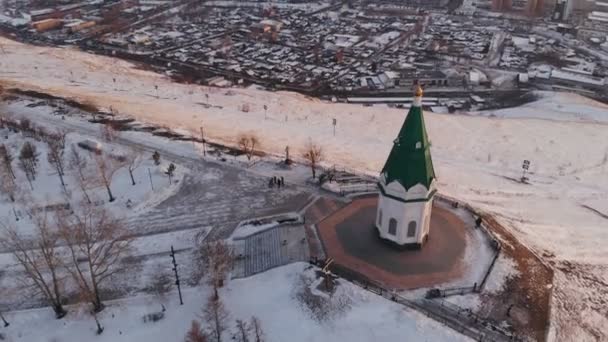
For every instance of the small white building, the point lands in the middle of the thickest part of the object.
(407, 184)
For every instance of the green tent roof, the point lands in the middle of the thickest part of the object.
(410, 159)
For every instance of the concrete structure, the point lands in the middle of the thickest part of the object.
(407, 184)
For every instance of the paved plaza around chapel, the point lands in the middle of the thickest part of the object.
(350, 238)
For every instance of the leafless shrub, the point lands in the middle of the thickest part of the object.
(258, 333)
(133, 161)
(247, 143)
(106, 168)
(216, 258)
(216, 316)
(321, 308)
(313, 153)
(78, 163)
(28, 161)
(196, 333)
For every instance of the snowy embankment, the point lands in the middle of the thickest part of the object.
(281, 298)
(478, 159)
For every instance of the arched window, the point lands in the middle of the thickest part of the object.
(380, 218)
(411, 229)
(392, 226)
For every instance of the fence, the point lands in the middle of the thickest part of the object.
(357, 188)
(460, 319)
(494, 244)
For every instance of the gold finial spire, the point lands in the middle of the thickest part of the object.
(418, 92)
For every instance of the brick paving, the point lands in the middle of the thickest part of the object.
(217, 196)
(319, 210)
(349, 237)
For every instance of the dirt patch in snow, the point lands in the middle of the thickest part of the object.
(525, 299)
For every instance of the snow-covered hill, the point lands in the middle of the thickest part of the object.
(478, 158)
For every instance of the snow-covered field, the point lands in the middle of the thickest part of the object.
(275, 297)
(477, 157)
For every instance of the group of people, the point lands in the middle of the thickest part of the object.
(278, 181)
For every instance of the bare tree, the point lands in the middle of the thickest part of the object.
(28, 161)
(7, 159)
(78, 163)
(313, 153)
(25, 125)
(242, 328)
(257, 329)
(156, 158)
(170, 171)
(106, 168)
(134, 160)
(7, 183)
(217, 258)
(40, 259)
(56, 144)
(97, 242)
(195, 333)
(247, 143)
(216, 317)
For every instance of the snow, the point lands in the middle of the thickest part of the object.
(271, 296)
(47, 188)
(468, 301)
(477, 156)
(254, 226)
(554, 106)
(13, 21)
(387, 37)
(504, 268)
(250, 229)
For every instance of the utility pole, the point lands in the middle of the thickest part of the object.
(203, 140)
(150, 175)
(6, 324)
(525, 167)
(326, 272)
(334, 123)
(179, 289)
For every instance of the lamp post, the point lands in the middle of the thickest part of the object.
(179, 289)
